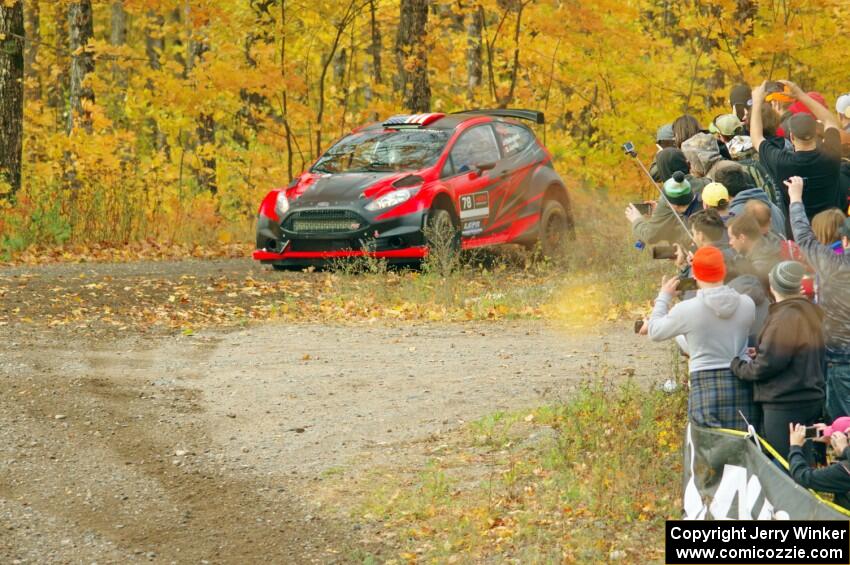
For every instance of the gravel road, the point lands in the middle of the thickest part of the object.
(137, 447)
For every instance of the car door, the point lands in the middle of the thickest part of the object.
(471, 188)
(520, 156)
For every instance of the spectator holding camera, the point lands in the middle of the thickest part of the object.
(818, 163)
(680, 190)
(833, 275)
(787, 369)
(715, 325)
(834, 478)
(708, 230)
(756, 254)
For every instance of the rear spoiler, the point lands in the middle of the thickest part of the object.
(530, 115)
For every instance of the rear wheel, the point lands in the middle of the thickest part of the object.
(554, 228)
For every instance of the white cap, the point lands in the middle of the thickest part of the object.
(843, 104)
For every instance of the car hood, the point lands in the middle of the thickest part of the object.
(344, 188)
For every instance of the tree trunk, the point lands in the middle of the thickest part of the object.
(82, 63)
(348, 17)
(412, 55)
(11, 93)
(57, 90)
(205, 175)
(375, 47)
(154, 40)
(474, 64)
(33, 32)
(285, 102)
(118, 38)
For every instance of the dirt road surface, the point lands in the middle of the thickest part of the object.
(127, 446)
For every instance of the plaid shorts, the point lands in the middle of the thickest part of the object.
(716, 396)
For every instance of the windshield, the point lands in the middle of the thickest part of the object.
(391, 151)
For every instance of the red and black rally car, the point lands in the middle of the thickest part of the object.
(481, 174)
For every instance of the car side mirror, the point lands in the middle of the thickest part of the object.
(479, 169)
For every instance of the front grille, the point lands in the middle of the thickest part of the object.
(323, 221)
(314, 245)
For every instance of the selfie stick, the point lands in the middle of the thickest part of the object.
(631, 152)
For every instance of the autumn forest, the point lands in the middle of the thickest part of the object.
(169, 119)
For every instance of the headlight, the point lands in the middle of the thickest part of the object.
(281, 206)
(390, 199)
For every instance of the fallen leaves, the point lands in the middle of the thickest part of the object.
(146, 250)
(187, 302)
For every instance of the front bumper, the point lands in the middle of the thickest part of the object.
(396, 239)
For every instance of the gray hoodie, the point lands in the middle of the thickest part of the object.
(751, 286)
(777, 218)
(715, 323)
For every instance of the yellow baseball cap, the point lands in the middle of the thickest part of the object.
(715, 195)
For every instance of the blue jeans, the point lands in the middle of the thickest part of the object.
(837, 389)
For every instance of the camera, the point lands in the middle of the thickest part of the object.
(773, 86)
(686, 284)
(629, 149)
(644, 208)
(812, 432)
(664, 252)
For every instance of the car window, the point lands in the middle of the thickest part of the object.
(514, 138)
(474, 147)
(383, 150)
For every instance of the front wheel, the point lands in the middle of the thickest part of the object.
(443, 239)
(554, 228)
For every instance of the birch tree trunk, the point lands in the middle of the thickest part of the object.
(11, 92)
(80, 31)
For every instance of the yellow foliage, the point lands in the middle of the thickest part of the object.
(603, 72)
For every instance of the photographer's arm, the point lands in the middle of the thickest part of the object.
(821, 113)
(654, 228)
(820, 256)
(828, 479)
(772, 357)
(665, 323)
(756, 126)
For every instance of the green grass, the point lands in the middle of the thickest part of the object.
(569, 482)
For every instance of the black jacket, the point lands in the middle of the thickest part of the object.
(791, 355)
(835, 478)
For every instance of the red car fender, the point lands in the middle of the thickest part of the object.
(268, 204)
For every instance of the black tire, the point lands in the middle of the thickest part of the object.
(555, 229)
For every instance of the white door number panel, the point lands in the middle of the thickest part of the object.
(474, 212)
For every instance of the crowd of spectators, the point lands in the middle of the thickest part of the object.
(756, 208)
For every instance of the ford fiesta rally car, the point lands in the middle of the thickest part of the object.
(384, 189)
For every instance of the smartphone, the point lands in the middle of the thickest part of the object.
(813, 432)
(629, 149)
(774, 86)
(644, 208)
(638, 326)
(663, 252)
(686, 285)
